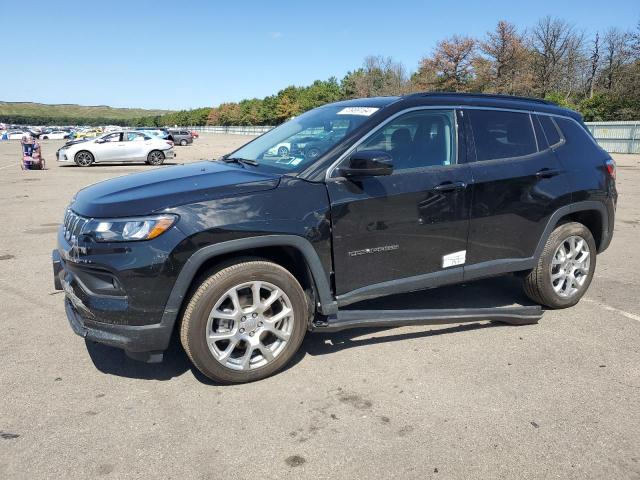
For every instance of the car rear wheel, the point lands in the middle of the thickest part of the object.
(312, 152)
(183, 142)
(155, 157)
(244, 322)
(84, 159)
(565, 268)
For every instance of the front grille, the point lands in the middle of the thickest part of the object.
(73, 225)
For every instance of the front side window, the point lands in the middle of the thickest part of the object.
(298, 142)
(498, 134)
(424, 138)
(114, 137)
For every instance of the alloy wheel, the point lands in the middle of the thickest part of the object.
(250, 325)
(570, 266)
(84, 159)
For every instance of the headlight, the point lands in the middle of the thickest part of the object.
(128, 229)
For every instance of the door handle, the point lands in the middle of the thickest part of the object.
(548, 173)
(447, 187)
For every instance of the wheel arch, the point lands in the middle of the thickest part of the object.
(294, 253)
(591, 214)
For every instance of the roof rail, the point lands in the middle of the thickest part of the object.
(496, 96)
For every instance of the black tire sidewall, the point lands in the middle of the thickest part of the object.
(202, 356)
(558, 236)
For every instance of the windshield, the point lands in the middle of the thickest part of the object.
(298, 142)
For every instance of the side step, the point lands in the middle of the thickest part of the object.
(345, 319)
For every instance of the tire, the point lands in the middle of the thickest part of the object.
(283, 152)
(45, 138)
(183, 143)
(565, 267)
(84, 158)
(229, 360)
(312, 153)
(155, 157)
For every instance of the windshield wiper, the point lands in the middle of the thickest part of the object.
(242, 161)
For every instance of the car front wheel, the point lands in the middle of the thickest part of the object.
(565, 267)
(84, 159)
(244, 322)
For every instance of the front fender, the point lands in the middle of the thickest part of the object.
(328, 305)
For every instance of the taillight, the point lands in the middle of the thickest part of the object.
(611, 167)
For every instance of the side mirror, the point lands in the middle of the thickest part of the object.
(372, 163)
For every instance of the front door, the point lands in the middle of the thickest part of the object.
(109, 149)
(408, 230)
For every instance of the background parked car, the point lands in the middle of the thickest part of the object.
(180, 137)
(56, 135)
(122, 146)
(15, 134)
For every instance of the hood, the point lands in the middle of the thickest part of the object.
(73, 142)
(162, 188)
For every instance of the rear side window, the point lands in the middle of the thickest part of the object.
(550, 129)
(499, 134)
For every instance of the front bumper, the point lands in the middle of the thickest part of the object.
(134, 339)
(61, 156)
(116, 293)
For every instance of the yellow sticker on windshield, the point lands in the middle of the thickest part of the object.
(365, 111)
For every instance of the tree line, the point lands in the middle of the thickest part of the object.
(597, 75)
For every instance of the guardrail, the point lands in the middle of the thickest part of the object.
(617, 137)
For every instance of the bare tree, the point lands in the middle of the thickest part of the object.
(594, 65)
(552, 41)
(618, 52)
(504, 68)
(378, 76)
(450, 67)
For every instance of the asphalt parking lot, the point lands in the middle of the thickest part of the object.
(560, 399)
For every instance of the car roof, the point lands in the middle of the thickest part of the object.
(463, 99)
(367, 102)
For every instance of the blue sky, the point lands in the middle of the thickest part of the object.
(186, 54)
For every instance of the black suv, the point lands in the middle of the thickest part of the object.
(241, 256)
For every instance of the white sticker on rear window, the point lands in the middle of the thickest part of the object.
(365, 111)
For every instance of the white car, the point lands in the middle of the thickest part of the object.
(16, 134)
(55, 135)
(122, 146)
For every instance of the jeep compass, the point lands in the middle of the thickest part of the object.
(241, 256)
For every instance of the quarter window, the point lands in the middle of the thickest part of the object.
(550, 129)
(417, 139)
(499, 134)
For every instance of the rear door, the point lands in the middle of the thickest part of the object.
(518, 183)
(407, 230)
(136, 147)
